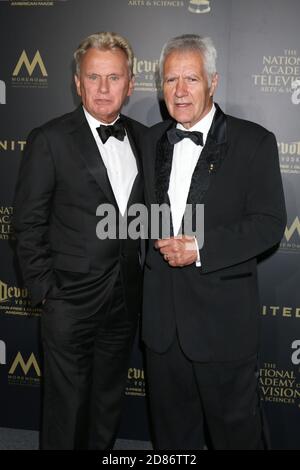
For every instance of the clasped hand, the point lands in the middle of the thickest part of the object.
(178, 251)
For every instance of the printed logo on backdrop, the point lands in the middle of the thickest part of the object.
(279, 73)
(24, 371)
(135, 386)
(8, 145)
(192, 6)
(15, 301)
(2, 353)
(2, 92)
(280, 311)
(6, 231)
(291, 239)
(199, 6)
(280, 385)
(296, 354)
(28, 3)
(289, 154)
(145, 71)
(146, 68)
(30, 73)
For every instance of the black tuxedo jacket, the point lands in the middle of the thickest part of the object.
(61, 183)
(215, 308)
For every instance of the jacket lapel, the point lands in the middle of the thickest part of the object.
(210, 159)
(136, 190)
(89, 152)
(163, 166)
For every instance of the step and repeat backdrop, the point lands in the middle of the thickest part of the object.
(258, 47)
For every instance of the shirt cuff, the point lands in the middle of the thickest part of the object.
(198, 261)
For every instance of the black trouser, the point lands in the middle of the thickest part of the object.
(85, 368)
(189, 398)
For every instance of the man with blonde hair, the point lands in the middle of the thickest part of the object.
(89, 289)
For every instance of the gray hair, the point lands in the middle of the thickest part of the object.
(104, 41)
(192, 42)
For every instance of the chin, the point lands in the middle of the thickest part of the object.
(182, 117)
(103, 112)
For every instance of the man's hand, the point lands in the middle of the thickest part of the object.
(178, 251)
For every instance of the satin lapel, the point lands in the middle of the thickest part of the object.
(163, 166)
(85, 143)
(210, 160)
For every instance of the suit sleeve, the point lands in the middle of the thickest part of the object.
(263, 222)
(32, 206)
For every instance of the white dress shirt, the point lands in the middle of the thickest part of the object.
(185, 156)
(119, 161)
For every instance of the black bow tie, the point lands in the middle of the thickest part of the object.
(176, 135)
(117, 130)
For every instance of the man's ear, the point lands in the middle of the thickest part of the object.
(131, 86)
(214, 84)
(77, 84)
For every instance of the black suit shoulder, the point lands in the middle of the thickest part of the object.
(59, 125)
(245, 128)
(68, 122)
(235, 125)
(136, 125)
(158, 129)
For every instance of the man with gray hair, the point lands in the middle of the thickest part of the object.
(201, 307)
(90, 289)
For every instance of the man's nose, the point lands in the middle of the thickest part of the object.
(181, 88)
(103, 85)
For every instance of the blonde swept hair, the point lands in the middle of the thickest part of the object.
(104, 40)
